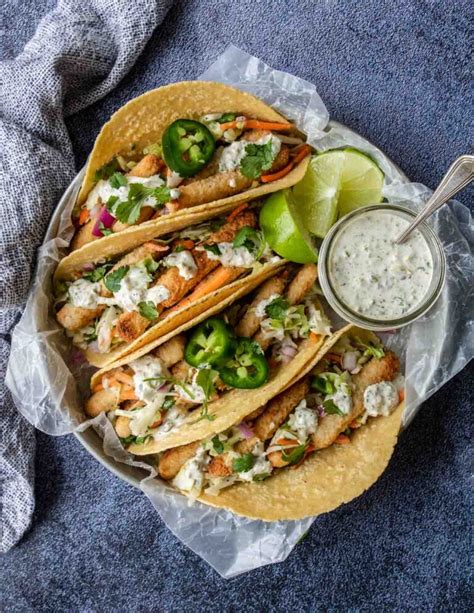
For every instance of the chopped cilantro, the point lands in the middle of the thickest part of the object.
(217, 444)
(331, 408)
(323, 385)
(105, 231)
(295, 454)
(147, 309)
(128, 211)
(205, 379)
(251, 239)
(107, 170)
(277, 308)
(168, 403)
(113, 280)
(257, 159)
(127, 440)
(98, 273)
(213, 249)
(118, 180)
(243, 464)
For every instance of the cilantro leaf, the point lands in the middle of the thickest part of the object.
(243, 464)
(113, 280)
(147, 309)
(118, 180)
(168, 403)
(251, 239)
(213, 249)
(128, 211)
(295, 454)
(107, 170)
(277, 308)
(105, 231)
(127, 440)
(217, 444)
(331, 408)
(97, 273)
(205, 379)
(323, 385)
(161, 194)
(257, 159)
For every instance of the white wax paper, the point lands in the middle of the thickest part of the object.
(47, 381)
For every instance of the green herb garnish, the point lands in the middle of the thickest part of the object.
(151, 266)
(168, 403)
(295, 454)
(331, 408)
(251, 239)
(277, 308)
(243, 464)
(323, 385)
(213, 249)
(147, 309)
(261, 477)
(98, 273)
(217, 444)
(226, 118)
(257, 159)
(118, 180)
(107, 170)
(113, 280)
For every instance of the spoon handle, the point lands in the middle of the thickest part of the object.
(460, 174)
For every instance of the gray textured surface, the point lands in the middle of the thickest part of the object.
(398, 72)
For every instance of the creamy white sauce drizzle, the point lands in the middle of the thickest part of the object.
(103, 190)
(184, 262)
(232, 155)
(374, 276)
(303, 421)
(380, 399)
(232, 256)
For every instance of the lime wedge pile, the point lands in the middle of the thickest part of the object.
(335, 183)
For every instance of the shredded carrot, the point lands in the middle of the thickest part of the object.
(255, 124)
(84, 216)
(401, 395)
(124, 378)
(214, 281)
(186, 243)
(97, 388)
(342, 439)
(301, 154)
(286, 442)
(314, 337)
(159, 248)
(277, 175)
(236, 212)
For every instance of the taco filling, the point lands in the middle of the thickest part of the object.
(242, 348)
(114, 302)
(355, 381)
(195, 163)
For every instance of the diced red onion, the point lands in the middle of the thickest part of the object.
(245, 430)
(88, 267)
(77, 357)
(349, 361)
(320, 410)
(106, 219)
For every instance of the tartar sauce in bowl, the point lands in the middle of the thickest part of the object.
(371, 281)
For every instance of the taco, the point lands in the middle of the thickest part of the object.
(122, 302)
(318, 443)
(232, 358)
(190, 145)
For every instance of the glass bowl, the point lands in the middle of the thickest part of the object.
(352, 316)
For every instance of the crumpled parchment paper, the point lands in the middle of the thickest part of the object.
(47, 378)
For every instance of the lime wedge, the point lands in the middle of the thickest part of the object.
(282, 232)
(335, 183)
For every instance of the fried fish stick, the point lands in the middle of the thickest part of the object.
(275, 415)
(131, 325)
(83, 235)
(147, 167)
(172, 351)
(104, 400)
(375, 371)
(145, 251)
(74, 318)
(301, 285)
(172, 460)
(220, 185)
(250, 322)
(227, 232)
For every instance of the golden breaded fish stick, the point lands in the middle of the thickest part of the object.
(147, 167)
(172, 460)
(250, 322)
(301, 285)
(74, 318)
(102, 401)
(172, 351)
(220, 185)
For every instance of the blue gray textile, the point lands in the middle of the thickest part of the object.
(77, 55)
(398, 72)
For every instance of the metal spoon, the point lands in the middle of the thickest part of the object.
(460, 174)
